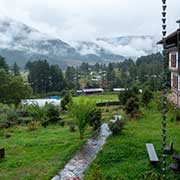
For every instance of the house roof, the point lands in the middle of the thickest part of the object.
(93, 90)
(178, 21)
(173, 34)
(118, 89)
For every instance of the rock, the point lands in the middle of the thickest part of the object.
(78, 164)
(56, 178)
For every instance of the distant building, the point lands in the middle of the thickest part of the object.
(90, 91)
(41, 102)
(118, 89)
(172, 45)
(96, 78)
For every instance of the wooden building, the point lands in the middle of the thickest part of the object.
(172, 45)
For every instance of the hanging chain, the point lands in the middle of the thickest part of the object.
(164, 96)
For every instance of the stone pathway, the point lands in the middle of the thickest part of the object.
(78, 164)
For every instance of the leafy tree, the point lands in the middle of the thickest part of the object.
(12, 88)
(17, 90)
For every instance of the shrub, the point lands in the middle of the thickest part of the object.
(127, 94)
(72, 128)
(8, 116)
(94, 119)
(174, 112)
(80, 111)
(132, 107)
(61, 123)
(147, 96)
(22, 112)
(34, 125)
(37, 113)
(3, 121)
(24, 120)
(52, 113)
(12, 116)
(66, 100)
(116, 126)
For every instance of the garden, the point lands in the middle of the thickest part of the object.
(39, 141)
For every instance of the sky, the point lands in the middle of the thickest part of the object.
(73, 20)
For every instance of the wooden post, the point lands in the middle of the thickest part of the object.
(2, 153)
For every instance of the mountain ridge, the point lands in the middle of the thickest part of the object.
(21, 43)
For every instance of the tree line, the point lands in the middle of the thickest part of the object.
(44, 78)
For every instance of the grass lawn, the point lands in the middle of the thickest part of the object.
(105, 97)
(124, 157)
(39, 154)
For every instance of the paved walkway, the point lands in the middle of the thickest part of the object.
(78, 164)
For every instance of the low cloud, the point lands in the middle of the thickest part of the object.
(89, 19)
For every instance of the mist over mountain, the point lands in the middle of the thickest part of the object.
(21, 43)
(126, 46)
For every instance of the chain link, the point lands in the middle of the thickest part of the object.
(164, 95)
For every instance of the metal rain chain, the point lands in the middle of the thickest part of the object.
(164, 95)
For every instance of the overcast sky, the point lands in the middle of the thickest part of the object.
(87, 19)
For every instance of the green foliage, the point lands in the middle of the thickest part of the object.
(147, 96)
(124, 96)
(117, 126)
(37, 113)
(127, 94)
(81, 111)
(44, 77)
(71, 77)
(97, 173)
(45, 115)
(3, 64)
(12, 88)
(94, 119)
(173, 112)
(52, 113)
(72, 127)
(132, 107)
(15, 70)
(152, 175)
(34, 125)
(8, 116)
(67, 99)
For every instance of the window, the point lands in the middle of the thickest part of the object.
(173, 60)
(175, 81)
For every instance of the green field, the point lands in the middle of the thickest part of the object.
(39, 154)
(105, 97)
(125, 157)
